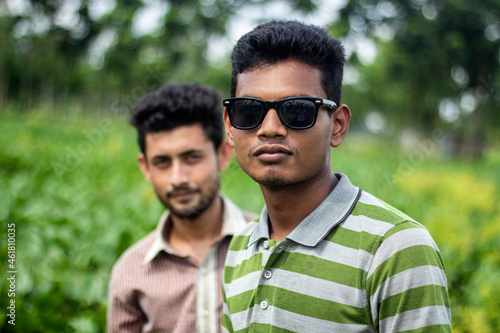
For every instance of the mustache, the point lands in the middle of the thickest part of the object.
(180, 190)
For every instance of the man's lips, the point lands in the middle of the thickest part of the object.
(272, 153)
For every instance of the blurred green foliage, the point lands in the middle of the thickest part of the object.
(73, 189)
(89, 54)
(436, 66)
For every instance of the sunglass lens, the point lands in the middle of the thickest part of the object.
(246, 114)
(298, 113)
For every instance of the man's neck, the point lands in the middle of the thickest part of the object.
(195, 236)
(287, 206)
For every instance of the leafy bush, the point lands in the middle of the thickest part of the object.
(78, 200)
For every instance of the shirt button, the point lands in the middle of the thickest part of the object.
(266, 245)
(264, 304)
(268, 274)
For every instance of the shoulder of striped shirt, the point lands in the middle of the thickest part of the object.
(395, 220)
(396, 223)
(369, 199)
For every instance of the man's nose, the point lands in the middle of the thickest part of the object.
(271, 125)
(179, 173)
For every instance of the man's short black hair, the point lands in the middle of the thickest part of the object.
(177, 105)
(276, 41)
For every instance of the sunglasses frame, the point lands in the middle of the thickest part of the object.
(318, 102)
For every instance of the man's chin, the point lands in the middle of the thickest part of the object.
(188, 210)
(186, 215)
(273, 180)
(181, 211)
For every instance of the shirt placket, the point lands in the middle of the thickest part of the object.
(265, 297)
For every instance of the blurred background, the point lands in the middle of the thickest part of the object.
(421, 79)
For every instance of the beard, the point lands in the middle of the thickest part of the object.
(273, 179)
(197, 205)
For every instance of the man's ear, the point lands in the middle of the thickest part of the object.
(341, 119)
(225, 153)
(144, 166)
(229, 128)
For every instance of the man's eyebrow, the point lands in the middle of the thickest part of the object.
(159, 157)
(182, 154)
(191, 151)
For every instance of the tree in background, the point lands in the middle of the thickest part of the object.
(437, 66)
(105, 55)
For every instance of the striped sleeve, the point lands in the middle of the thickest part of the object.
(406, 282)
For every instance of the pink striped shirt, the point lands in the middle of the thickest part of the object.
(154, 288)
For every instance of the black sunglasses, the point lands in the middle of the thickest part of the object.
(246, 113)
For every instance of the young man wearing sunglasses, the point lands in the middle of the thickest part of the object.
(324, 256)
(170, 281)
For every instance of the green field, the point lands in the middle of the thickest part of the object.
(73, 190)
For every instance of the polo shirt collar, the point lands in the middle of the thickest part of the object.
(315, 227)
(233, 220)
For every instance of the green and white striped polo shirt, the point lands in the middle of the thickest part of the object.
(355, 264)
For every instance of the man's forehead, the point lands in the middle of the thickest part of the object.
(177, 141)
(283, 79)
